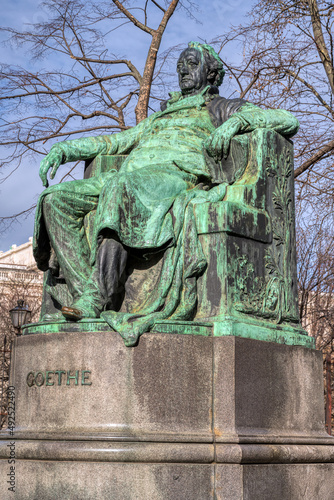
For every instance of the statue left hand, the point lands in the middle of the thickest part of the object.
(218, 144)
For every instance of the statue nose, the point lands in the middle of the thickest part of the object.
(184, 70)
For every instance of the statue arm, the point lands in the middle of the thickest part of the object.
(246, 119)
(280, 120)
(89, 147)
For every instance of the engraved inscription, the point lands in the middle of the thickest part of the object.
(49, 378)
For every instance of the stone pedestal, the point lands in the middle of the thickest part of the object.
(177, 417)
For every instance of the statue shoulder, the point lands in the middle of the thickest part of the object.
(220, 109)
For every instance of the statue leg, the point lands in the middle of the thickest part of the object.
(105, 283)
(64, 210)
(111, 268)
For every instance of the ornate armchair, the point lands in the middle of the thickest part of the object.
(249, 287)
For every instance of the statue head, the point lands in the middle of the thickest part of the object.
(198, 66)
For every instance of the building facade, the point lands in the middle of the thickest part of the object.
(19, 280)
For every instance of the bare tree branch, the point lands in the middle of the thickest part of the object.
(143, 98)
(132, 18)
(327, 148)
(320, 42)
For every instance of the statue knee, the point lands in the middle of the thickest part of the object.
(54, 200)
(50, 199)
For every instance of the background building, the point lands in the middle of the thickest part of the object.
(19, 279)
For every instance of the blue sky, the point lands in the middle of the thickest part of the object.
(22, 188)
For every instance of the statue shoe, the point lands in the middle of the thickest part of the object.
(52, 317)
(75, 314)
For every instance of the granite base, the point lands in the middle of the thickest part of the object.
(177, 417)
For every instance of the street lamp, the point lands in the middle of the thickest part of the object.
(20, 315)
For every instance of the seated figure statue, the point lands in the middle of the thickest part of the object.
(148, 205)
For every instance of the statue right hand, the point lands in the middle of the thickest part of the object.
(52, 160)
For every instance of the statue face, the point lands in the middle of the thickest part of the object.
(193, 73)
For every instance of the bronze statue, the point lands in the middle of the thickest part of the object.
(147, 206)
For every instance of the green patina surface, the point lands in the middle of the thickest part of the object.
(85, 325)
(229, 327)
(207, 179)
